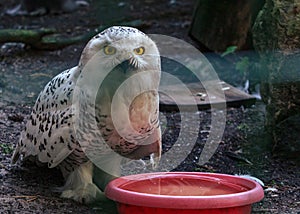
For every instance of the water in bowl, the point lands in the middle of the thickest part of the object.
(177, 186)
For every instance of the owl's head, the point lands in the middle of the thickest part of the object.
(126, 47)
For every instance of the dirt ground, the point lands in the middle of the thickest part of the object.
(244, 149)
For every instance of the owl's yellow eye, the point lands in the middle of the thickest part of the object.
(110, 50)
(139, 51)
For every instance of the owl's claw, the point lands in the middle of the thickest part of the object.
(84, 194)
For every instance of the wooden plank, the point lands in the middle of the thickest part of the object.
(191, 96)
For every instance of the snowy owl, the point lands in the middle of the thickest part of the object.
(95, 114)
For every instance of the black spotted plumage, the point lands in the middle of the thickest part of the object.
(60, 129)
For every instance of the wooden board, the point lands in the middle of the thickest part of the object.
(191, 96)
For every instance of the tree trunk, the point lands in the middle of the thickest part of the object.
(276, 35)
(218, 25)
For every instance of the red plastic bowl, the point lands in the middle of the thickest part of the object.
(183, 192)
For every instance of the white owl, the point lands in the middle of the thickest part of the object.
(96, 113)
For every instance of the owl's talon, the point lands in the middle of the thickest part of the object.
(84, 195)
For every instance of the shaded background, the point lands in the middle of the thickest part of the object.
(245, 148)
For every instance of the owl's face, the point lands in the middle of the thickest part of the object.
(124, 47)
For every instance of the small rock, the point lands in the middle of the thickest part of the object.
(271, 189)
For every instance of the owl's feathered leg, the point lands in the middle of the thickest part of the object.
(79, 185)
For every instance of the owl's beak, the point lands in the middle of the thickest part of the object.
(127, 65)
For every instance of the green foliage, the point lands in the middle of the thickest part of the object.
(248, 66)
(6, 149)
(229, 50)
(243, 65)
(243, 127)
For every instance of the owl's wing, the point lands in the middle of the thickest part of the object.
(48, 132)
